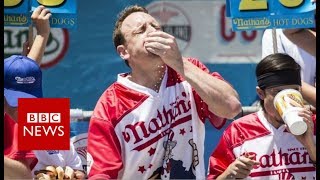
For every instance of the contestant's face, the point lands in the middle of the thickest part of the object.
(135, 29)
(269, 94)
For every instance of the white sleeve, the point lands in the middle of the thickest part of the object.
(72, 158)
(267, 42)
(46, 158)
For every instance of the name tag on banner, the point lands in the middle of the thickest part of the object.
(16, 13)
(267, 14)
(64, 12)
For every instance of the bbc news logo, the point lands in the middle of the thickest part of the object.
(44, 124)
(43, 117)
(43, 130)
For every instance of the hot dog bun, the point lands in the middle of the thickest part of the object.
(60, 172)
(69, 172)
(53, 171)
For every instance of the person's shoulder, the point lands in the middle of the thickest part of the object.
(120, 92)
(268, 33)
(246, 128)
(116, 100)
(114, 90)
(241, 123)
(249, 118)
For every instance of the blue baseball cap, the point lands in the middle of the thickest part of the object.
(22, 79)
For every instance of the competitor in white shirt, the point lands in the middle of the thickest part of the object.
(259, 146)
(61, 158)
(306, 60)
(150, 123)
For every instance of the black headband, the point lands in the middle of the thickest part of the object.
(279, 78)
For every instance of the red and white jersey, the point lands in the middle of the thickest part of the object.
(280, 154)
(11, 143)
(137, 133)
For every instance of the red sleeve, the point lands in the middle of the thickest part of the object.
(221, 158)
(202, 107)
(23, 155)
(104, 147)
(11, 143)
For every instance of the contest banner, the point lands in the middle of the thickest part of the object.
(206, 35)
(18, 12)
(64, 12)
(268, 14)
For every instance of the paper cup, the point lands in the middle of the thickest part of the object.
(295, 123)
(288, 103)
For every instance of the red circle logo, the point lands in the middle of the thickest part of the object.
(56, 48)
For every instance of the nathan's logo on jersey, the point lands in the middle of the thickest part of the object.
(56, 48)
(44, 124)
(173, 21)
(177, 113)
(280, 158)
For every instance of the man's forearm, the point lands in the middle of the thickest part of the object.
(15, 170)
(221, 98)
(37, 50)
(312, 152)
(309, 93)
